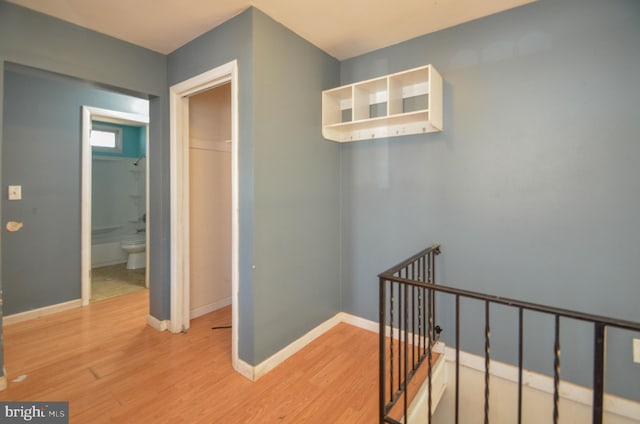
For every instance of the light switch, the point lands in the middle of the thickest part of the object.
(636, 351)
(15, 192)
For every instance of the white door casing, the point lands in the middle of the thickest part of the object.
(89, 114)
(179, 186)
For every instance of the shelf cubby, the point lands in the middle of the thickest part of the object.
(337, 105)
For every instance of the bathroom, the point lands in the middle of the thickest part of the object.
(118, 209)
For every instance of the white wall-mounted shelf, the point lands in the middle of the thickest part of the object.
(408, 102)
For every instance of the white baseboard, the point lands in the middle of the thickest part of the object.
(612, 404)
(157, 324)
(254, 373)
(40, 312)
(356, 321)
(244, 369)
(202, 310)
(279, 357)
(569, 391)
(3, 380)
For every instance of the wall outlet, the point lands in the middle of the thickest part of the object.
(15, 192)
(636, 351)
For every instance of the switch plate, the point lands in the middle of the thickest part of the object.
(15, 192)
(636, 351)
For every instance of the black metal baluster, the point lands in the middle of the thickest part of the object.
(413, 319)
(556, 371)
(520, 363)
(420, 322)
(391, 353)
(599, 343)
(457, 358)
(406, 353)
(400, 307)
(487, 354)
(433, 293)
(382, 347)
(430, 316)
(424, 308)
(429, 372)
(431, 336)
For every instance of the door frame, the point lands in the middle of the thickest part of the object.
(179, 173)
(90, 113)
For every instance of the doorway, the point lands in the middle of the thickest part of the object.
(210, 200)
(131, 168)
(220, 79)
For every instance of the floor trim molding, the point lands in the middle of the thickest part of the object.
(255, 372)
(245, 369)
(290, 350)
(40, 312)
(359, 322)
(157, 324)
(3, 380)
(612, 404)
(202, 310)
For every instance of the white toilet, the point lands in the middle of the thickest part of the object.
(135, 247)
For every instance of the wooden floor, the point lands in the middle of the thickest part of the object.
(113, 368)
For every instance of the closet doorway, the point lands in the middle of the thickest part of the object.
(210, 200)
(204, 166)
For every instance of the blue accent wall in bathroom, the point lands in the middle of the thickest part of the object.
(133, 141)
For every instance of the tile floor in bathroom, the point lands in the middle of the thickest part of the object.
(115, 280)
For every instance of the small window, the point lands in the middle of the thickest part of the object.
(106, 139)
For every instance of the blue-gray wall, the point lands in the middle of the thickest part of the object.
(532, 188)
(35, 40)
(296, 189)
(229, 41)
(288, 178)
(41, 151)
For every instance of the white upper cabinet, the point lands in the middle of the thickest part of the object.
(408, 102)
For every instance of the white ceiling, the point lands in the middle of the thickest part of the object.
(342, 28)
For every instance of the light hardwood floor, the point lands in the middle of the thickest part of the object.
(113, 368)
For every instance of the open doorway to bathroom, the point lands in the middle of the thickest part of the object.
(115, 187)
